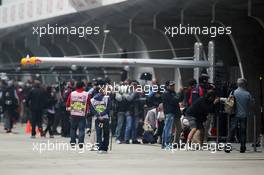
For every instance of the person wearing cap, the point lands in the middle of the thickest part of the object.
(244, 103)
(194, 92)
(101, 108)
(204, 83)
(78, 103)
(172, 113)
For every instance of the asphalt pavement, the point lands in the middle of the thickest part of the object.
(19, 154)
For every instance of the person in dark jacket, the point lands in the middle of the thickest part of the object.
(36, 101)
(172, 113)
(154, 99)
(132, 114)
(10, 106)
(121, 110)
(51, 102)
(197, 113)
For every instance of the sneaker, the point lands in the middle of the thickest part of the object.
(127, 142)
(135, 142)
(227, 150)
(257, 144)
(93, 149)
(243, 150)
(118, 142)
(80, 145)
(55, 132)
(102, 152)
(73, 145)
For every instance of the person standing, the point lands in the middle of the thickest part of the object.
(10, 106)
(65, 115)
(51, 102)
(101, 107)
(172, 113)
(78, 103)
(243, 105)
(36, 101)
(121, 111)
(132, 114)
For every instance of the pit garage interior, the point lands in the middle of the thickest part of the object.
(137, 26)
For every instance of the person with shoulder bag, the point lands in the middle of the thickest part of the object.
(242, 103)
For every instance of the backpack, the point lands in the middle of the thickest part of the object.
(195, 94)
(230, 104)
(10, 102)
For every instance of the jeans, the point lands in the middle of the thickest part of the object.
(77, 123)
(36, 120)
(102, 134)
(131, 127)
(120, 123)
(148, 137)
(167, 130)
(242, 130)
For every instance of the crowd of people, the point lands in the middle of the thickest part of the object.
(82, 108)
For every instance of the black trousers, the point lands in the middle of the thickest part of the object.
(65, 124)
(36, 120)
(8, 119)
(51, 118)
(57, 120)
(102, 134)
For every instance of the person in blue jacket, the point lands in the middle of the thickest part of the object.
(101, 107)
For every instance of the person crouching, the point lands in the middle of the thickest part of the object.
(100, 107)
(78, 103)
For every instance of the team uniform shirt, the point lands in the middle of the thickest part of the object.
(100, 104)
(78, 102)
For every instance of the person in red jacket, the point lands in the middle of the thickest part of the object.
(77, 104)
(195, 91)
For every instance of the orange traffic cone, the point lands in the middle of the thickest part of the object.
(28, 128)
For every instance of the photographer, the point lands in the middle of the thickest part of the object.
(197, 113)
(172, 112)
